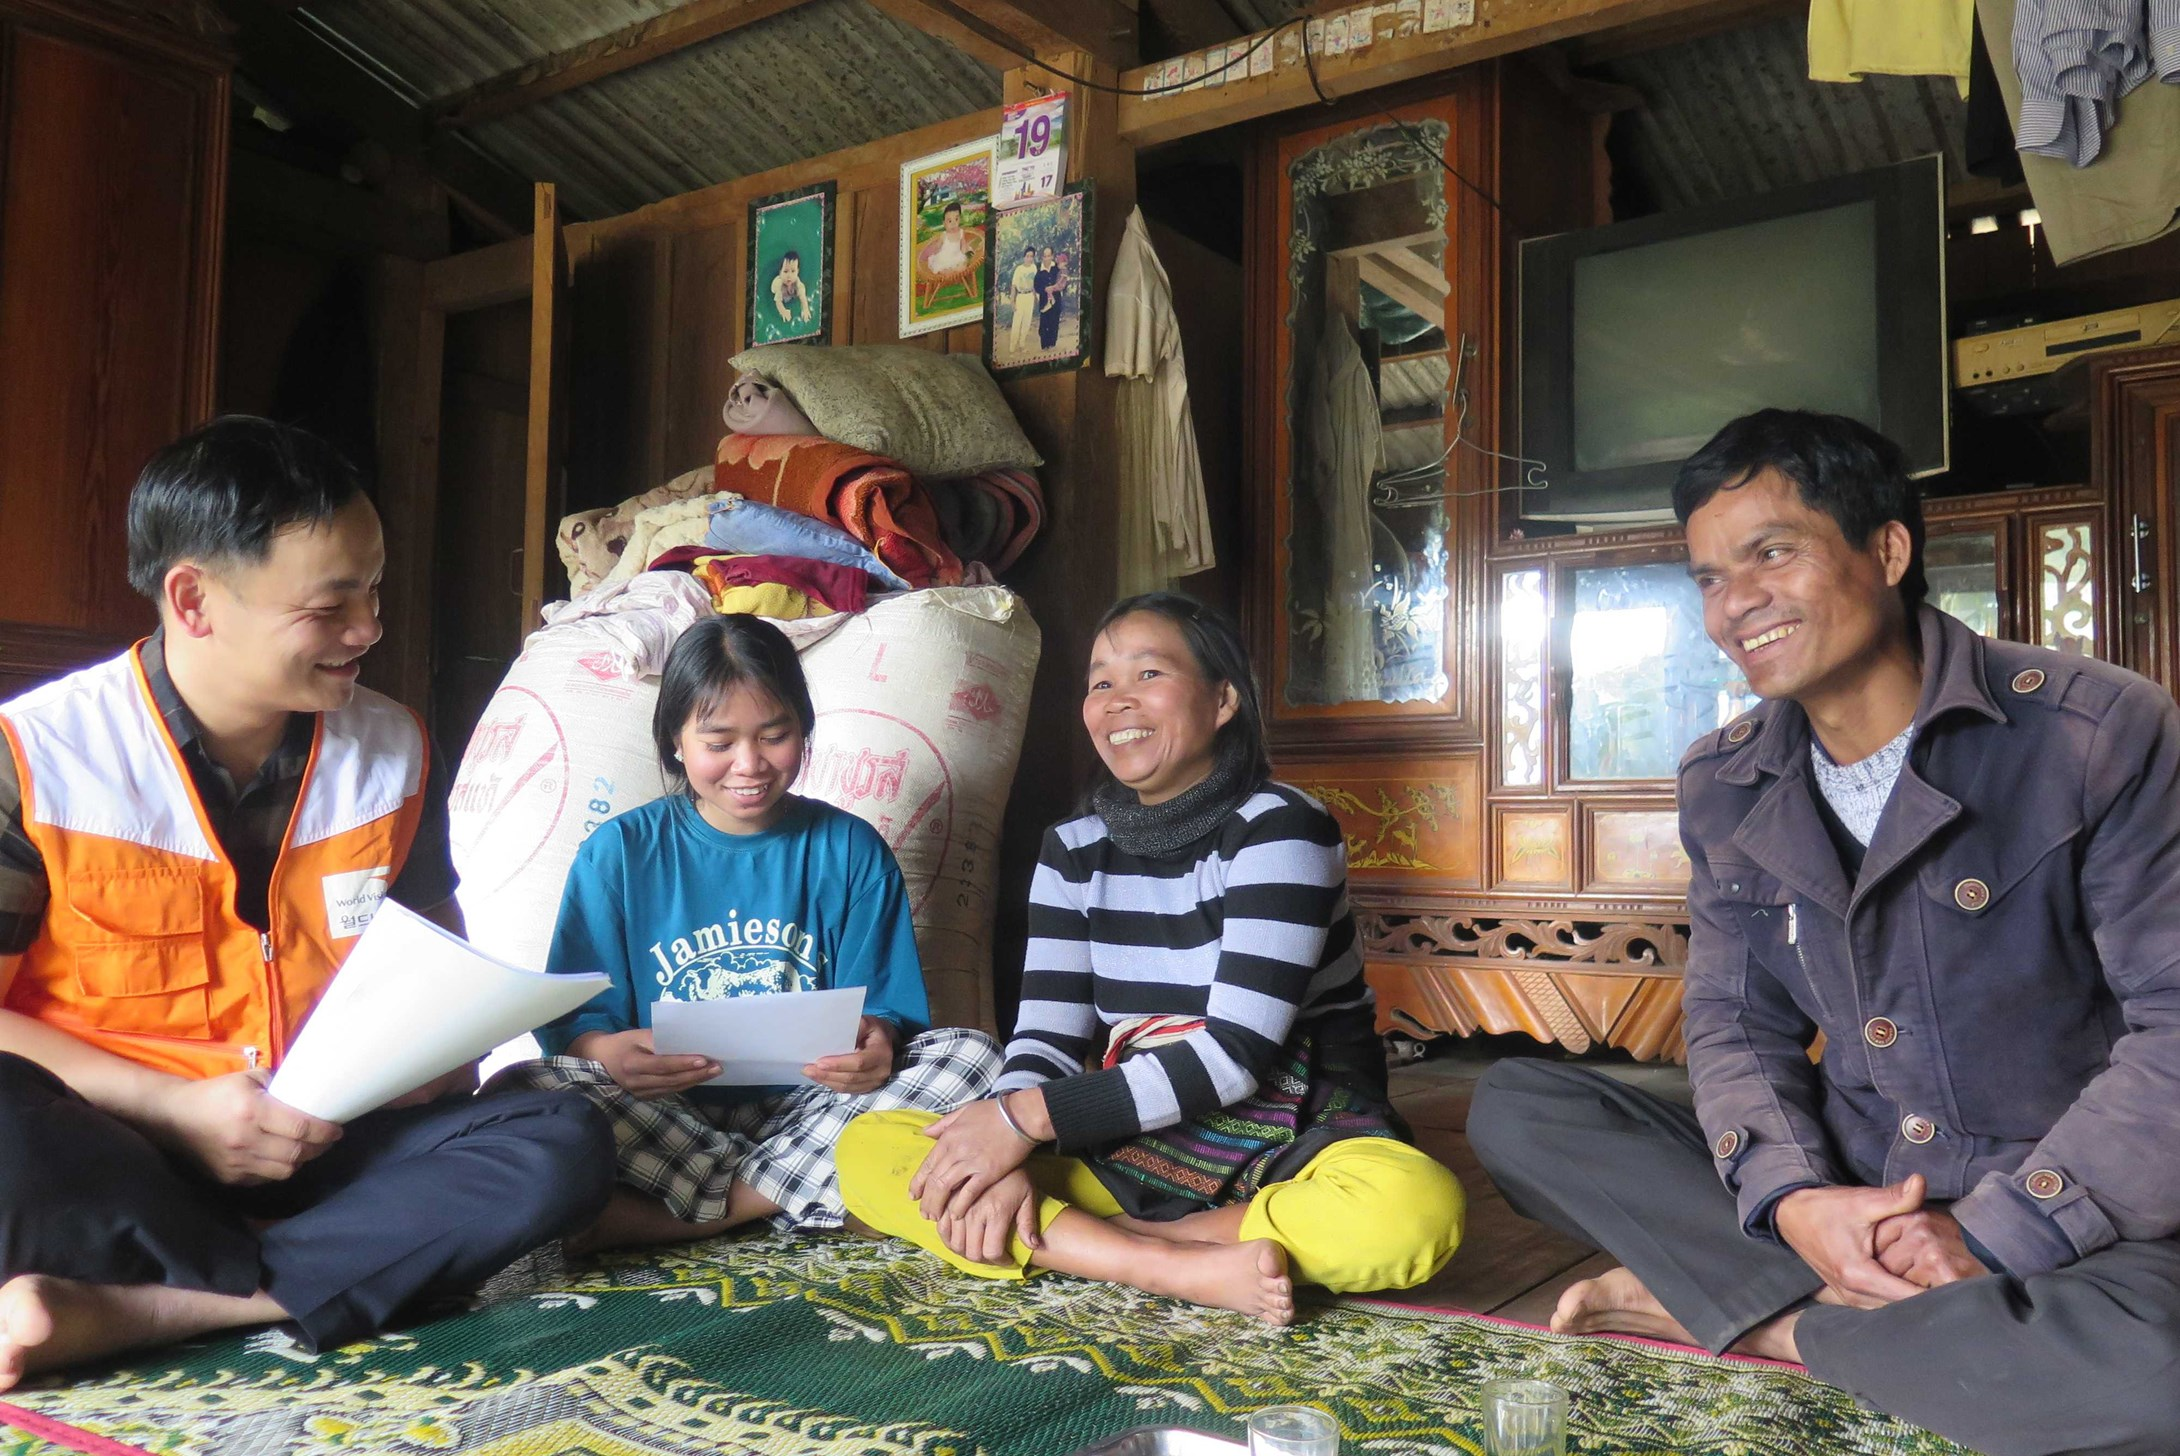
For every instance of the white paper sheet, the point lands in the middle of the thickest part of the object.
(760, 1041)
(412, 1002)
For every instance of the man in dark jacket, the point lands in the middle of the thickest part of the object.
(1959, 860)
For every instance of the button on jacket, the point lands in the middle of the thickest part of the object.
(1999, 988)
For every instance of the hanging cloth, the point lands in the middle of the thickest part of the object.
(1165, 522)
(2076, 60)
(1850, 39)
(2132, 194)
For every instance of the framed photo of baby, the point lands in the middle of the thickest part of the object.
(790, 267)
(1038, 282)
(945, 211)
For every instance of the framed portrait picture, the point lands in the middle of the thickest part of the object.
(946, 202)
(1038, 281)
(791, 267)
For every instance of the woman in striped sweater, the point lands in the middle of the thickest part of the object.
(1194, 1102)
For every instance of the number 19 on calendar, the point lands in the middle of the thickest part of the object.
(1032, 152)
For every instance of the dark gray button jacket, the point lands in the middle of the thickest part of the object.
(2016, 922)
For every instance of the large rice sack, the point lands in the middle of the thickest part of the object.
(564, 745)
(921, 703)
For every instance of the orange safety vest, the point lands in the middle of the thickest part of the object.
(141, 952)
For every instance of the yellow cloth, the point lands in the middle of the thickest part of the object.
(781, 603)
(1850, 39)
(1365, 1214)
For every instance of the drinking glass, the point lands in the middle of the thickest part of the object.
(1293, 1430)
(1524, 1418)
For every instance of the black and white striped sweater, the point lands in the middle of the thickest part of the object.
(1249, 929)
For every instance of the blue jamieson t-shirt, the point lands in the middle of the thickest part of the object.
(669, 906)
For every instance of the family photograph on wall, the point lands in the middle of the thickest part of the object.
(1039, 284)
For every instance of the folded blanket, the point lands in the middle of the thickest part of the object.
(842, 588)
(757, 406)
(990, 517)
(868, 496)
(780, 603)
(659, 529)
(747, 528)
(970, 522)
(591, 542)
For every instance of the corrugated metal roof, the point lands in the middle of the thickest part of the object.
(1725, 116)
(1734, 114)
(797, 85)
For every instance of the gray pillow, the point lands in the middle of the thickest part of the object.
(938, 414)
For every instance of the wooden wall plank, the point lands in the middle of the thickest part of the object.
(112, 171)
(707, 331)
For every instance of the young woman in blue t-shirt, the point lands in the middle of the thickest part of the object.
(734, 885)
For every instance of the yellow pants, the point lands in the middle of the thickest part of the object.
(1365, 1214)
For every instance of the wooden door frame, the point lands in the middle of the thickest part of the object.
(419, 301)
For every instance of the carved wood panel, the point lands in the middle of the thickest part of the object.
(1634, 851)
(1578, 983)
(1404, 819)
(1534, 847)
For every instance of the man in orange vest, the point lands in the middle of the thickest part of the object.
(192, 835)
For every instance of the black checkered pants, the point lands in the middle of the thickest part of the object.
(688, 1156)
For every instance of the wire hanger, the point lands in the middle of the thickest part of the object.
(1533, 474)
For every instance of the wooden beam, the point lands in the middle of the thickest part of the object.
(1426, 274)
(1372, 269)
(500, 272)
(630, 46)
(1003, 34)
(1500, 27)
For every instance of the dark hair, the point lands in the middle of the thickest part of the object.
(950, 207)
(1220, 656)
(1842, 467)
(790, 256)
(219, 495)
(711, 660)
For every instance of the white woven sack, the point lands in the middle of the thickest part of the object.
(921, 703)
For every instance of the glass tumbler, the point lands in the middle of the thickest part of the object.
(1524, 1418)
(1293, 1430)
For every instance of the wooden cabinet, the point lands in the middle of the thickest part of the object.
(1496, 721)
(1382, 234)
(2135, 464)
(113, 141)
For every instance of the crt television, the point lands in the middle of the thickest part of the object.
(1640, 339)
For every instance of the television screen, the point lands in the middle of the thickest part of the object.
(1673, 340)
(1641, 339)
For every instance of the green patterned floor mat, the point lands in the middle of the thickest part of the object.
(839, 1347)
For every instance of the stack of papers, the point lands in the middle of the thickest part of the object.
(412, 1002)
(760, 1041)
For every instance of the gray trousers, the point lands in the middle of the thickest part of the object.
(2084, 1359)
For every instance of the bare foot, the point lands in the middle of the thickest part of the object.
(1247, 1278)
(1775, 1340)
(47, 1323)
(1616, 1302)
